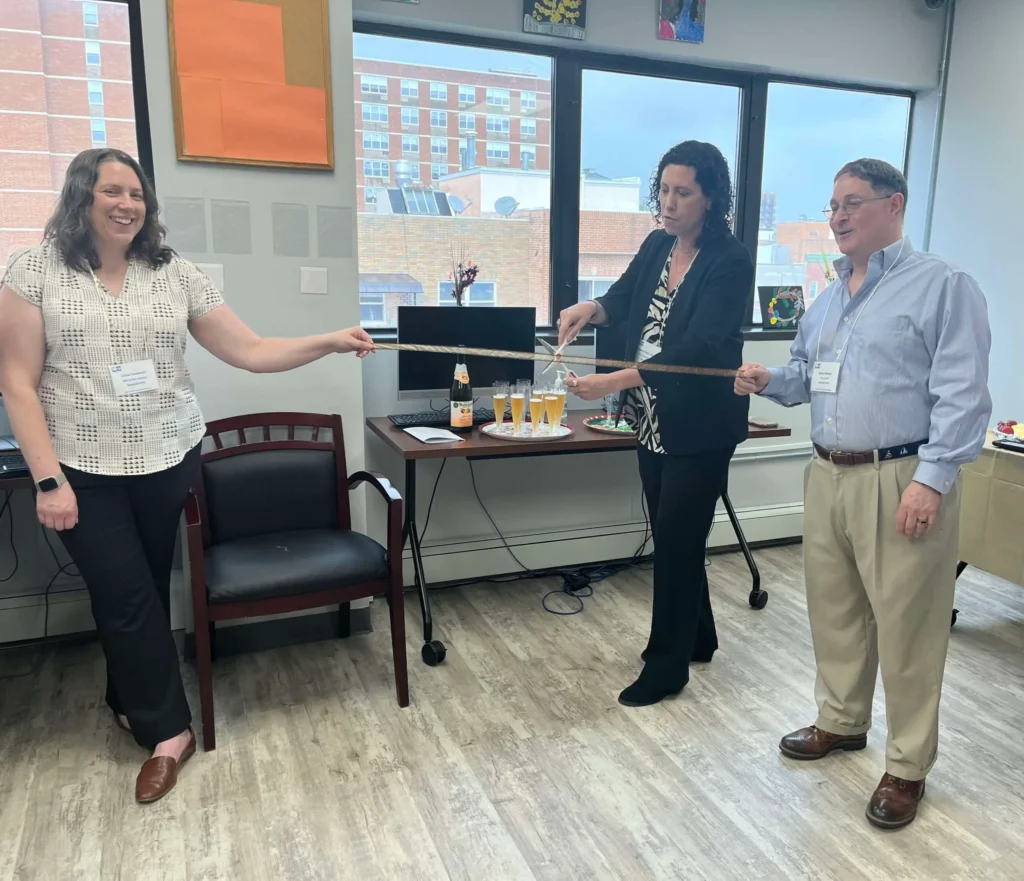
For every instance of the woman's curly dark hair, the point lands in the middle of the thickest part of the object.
(69, 228)
(712, 174)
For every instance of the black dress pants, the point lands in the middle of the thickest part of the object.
(123, 544)
(681, 492)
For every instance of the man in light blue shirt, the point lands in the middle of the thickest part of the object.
(893, 359)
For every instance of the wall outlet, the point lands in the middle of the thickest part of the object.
(313, 280)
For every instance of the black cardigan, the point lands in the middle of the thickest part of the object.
(704, 329)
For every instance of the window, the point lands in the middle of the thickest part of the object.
(410, 89)
(801, 157)
(455, 86)
(375, 141)
(375, 113)
(377, 168)
(592, 288)
(29, 187)
(370, 195)
(92, 54)
(371, 309)
(499, 98)
(373, 85)
(498, 125)
(528, 128)
(528, 158)
(528, 100)
(498, 152)
(481, 293)
(617, 161)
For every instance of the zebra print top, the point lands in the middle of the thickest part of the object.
(641, 411)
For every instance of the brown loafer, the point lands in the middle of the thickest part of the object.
(812, 743)
(894, 804)
(159, 774)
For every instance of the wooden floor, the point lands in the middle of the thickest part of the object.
(515, 761)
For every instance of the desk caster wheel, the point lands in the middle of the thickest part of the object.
(758, 599)
(433, 653)
(952, 621)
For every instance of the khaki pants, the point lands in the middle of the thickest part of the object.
(876, 598)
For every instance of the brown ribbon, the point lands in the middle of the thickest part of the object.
(563, 358)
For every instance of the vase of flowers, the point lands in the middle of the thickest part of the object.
(462, 275)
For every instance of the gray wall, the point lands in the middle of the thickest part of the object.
(979, 186)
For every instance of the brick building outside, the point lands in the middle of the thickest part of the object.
(65, 86)
(428, 115)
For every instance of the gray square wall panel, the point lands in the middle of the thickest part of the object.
(334, 231)
(185, 220)
(291, 229)
(232, 228)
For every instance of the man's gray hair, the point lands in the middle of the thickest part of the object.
(885, 179)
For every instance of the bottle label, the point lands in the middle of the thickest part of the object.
(462, 414)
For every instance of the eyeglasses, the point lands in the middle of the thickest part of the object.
(850, 206)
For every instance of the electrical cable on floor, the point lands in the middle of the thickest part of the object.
(6, 508)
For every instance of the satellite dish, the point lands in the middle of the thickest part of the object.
(458, 206)
(505, 206)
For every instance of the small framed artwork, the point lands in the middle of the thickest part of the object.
(781, 306)
(681, 20)
(555, 18)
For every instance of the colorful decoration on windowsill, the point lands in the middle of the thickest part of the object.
(781, 306)
(463, 274)
(681, 20)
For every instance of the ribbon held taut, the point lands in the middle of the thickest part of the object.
(571, 359)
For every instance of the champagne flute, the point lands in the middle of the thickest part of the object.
(499, 395)
(536, 410)
(518, 397)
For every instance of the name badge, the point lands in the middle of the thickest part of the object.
(134, 377)
(825, 377)
(645, 351)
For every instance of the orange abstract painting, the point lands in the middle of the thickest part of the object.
(251, 81)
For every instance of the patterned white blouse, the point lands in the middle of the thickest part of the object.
(642, 415)
(88, 331)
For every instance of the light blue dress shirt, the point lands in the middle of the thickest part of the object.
(913, 353)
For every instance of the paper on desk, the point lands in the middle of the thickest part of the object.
(433, 435)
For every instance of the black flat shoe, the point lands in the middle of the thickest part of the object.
(696, 659)
(640, 694)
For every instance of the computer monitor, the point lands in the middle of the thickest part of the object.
(424, 375)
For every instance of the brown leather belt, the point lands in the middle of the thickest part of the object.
(889, 454)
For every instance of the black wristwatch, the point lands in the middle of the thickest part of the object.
(49, 484)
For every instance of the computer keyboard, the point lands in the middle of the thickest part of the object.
(436, 419)
(12, 463)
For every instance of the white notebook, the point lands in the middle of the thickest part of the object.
(434, 435)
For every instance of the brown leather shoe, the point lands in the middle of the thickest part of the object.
(894, 804)
(159, 774)
(812, 743)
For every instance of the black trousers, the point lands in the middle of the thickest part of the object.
(681, 492)
(123, 544)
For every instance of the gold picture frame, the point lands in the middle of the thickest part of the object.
(246, 88)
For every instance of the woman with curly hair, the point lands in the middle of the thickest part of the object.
(93, 326)
(684, 299)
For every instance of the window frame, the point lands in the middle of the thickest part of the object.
(373, 84)
(409, 89)
(375, 109)
(378, 136)
(445, 288)
(442, 119)
(442, 90)
(413, 110)
(94, 86)
(385, 167)
(90, 9)
(568, 64)
(98, 53)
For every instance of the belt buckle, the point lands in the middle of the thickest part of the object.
(831, 460)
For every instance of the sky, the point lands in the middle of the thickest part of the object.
(629, 121)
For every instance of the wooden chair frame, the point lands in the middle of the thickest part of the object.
(199, 539)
